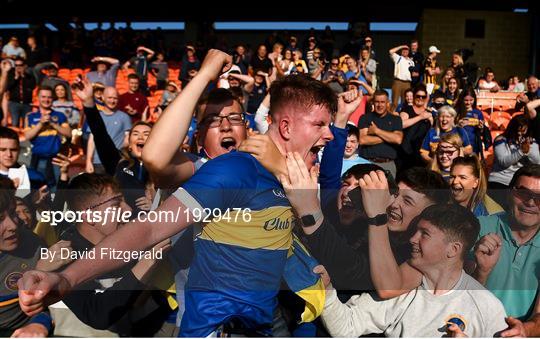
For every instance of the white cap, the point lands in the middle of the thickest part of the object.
(433, 49)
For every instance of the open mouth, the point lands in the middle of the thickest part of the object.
(347, 205)
(456, 190)
(228, 143)
(527, 211)
(415, 251)
(394, 216)
(11, 238)
(139, 146)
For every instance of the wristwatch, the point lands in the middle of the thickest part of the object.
(311, 219)
(378, 220)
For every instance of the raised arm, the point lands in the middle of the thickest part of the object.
(531, 108)
(5, 67)
(249, 81)
(109, 60)
(162, 155)
(36, 288)
(396, 49)
(389, 279)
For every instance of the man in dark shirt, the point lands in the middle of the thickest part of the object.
(21, 84)
(260, 61)
(380, 133)
(418, 58)
(133, 102)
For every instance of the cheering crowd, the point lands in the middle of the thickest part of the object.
(312, 201)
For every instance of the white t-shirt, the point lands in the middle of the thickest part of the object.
(418, 313)
(401, 67)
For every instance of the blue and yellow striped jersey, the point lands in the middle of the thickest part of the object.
(240, 259)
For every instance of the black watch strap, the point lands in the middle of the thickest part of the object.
(311, 219)
(378, 220)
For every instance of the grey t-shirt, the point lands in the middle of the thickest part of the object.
(117, 124)
(418, 313)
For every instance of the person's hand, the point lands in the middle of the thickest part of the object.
(515, 329)
(523, 98)
(487, 251)
(40, 195)
(143, 203)
(373, 129)
(266, 152)
(56, 261)
(215, 63)
(83, 89)
(63, 162)
(348, 102)
(463, 122)
(426, 115)
(33, 330)
(375, 193)
(525, 146)
(39, 289)
(89, 167)
(6, 66)
(455, 332)
(45, 118)
(300, 185)
(325, 277)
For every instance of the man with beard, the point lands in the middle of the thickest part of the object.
(256, 251)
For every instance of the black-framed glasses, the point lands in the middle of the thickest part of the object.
(420, 96)
(215, 120)
(448, 152)
(118, 197)
(525, 194)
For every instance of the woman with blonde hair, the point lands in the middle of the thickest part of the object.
(449, 148)
(468, 186)
(445, 124)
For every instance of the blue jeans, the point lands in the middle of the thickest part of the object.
(18, 111)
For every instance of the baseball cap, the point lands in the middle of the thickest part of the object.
(433, 49)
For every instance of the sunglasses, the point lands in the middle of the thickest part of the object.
(420, 96)
(335, 64)
(525, 194)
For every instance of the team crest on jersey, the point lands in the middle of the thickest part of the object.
(11, 280)
(458, 320)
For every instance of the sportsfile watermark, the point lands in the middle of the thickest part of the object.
(123, 216)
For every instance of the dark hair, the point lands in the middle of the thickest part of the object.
(380, 92)
(427, 182)
(420, 88)
(45, 88)
(60, 84)
(8, 133)
(511, 132)
(358, 171)
(215, 101)
(460, 104)
(237, 93)
(86, 186)
(456, 222)
(302, 92)
(529, 170)
(353, 130)
(7, 195)
(410, 89)
(438, 94)
(20, 58)
(133, 76)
